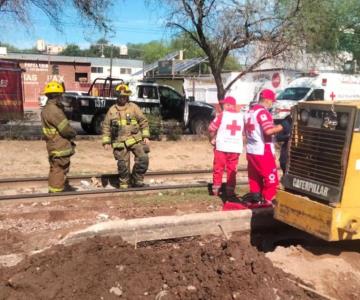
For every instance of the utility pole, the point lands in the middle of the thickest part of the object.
(102, 50)
(111, 58)
(355, 66)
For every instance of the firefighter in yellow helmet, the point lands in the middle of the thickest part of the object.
(126, 130)
(59, 136)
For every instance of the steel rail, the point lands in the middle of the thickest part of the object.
(151, 173)
(106, 191)
(8, 183)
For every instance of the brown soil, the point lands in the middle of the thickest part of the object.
(334, 268)
(103, 268)
(29, 158)
(24, 227)
(27, 227)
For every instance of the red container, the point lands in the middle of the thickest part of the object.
(11, 91)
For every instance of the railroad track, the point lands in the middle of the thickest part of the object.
(104, 184)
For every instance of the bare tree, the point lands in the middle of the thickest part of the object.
(92, 11)
(261, 29)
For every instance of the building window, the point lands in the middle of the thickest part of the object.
(125, 70)
(81, 77)
(97, 70)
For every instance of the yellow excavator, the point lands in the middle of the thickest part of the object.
(321, 185)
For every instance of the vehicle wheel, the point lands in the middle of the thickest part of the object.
(199, 126)
(97, 123)
(87, 128)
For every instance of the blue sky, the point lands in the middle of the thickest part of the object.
(133, 22)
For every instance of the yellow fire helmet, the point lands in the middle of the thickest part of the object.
(122, 90)
(53, 87)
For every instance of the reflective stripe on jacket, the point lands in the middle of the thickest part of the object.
(57, 130)
(132, 126)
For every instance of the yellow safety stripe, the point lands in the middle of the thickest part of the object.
(146, 133)
(55, 190)
(133, 140)
(118, 145)
(63, 124)
(123, 122)
(106, 139)
(61, 153)
(49, 131)
(129, 142)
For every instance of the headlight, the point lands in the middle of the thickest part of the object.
(304, 116)
(344, 119)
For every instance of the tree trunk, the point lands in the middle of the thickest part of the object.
(219, 85)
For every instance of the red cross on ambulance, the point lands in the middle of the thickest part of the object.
(332, 96)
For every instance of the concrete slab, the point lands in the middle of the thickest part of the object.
(169, 227)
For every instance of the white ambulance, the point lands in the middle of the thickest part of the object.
(322, 86)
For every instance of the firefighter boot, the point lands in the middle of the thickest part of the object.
(140, 166)
(123, 174)
(68, 187)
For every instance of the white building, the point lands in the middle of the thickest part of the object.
(244, 89)
(117, 68)
(54, 49)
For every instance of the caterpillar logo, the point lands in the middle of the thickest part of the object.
(3, 83)
(311, 187)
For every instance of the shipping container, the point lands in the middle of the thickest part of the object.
(11, 91)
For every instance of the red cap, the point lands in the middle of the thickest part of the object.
(228, 100)
(267, 94)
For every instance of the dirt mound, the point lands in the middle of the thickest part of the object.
(108, 268)
(10, 241)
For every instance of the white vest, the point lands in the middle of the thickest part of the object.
(255, 141)
(229, 136)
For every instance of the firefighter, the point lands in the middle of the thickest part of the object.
(59, 136)
(225, 133)
(126, 130)
(260, 149)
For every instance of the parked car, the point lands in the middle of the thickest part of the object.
(152, 98)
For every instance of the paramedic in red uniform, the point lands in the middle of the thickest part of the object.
(226, 135)
(260, 149)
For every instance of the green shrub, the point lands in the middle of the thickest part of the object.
(173, 130)
(155, 126)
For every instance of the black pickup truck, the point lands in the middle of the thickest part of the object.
(152, 98)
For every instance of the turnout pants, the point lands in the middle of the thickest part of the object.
(263, 177)
(222, 161)
(141, 164)
(59, 167)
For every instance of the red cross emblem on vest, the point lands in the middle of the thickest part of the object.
(233, 127)
(249, 127)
